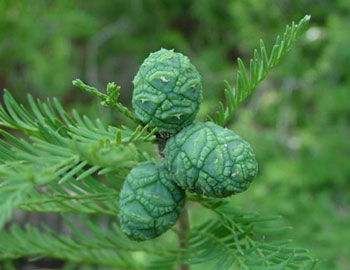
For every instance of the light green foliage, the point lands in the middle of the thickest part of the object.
(107, 247)
(37, 44)
(150, 203)
(167, 91)
(52, 160)
(260, 65)
(231, 238)
(61, 147)
(207, 159)
(109, 100)
(236, 239)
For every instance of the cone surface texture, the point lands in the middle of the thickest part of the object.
(150, 202)
(207, 159)
(167, 91)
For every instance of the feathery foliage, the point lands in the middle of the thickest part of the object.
(232, 238)
(61, 149)
(54, 161)
(109, 100)
(242, 239)
(260, 66)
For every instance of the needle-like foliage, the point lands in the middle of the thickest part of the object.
(259, 67)
(60, 149)
(236, 238)
(233, 238)
(55, 161)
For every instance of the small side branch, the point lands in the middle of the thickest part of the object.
(109, 100)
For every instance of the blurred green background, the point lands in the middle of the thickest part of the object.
(298, 120)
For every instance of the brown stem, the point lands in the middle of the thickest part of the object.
(182, 227)
(183, 224)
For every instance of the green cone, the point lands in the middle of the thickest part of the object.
(167, 91)
(150, 203)
(207, 159)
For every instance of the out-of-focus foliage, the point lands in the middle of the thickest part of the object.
(39, 47)
(297, 121)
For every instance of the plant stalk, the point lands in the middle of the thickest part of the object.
(183, 224)
(182, 227)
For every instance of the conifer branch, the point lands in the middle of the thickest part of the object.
(240, 238)
(260, 65)
(71, 164)
(61, 149)
(108, 247)
(109, 100)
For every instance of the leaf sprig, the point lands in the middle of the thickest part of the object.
(237, 238)
(233, 238)
(109, 100)
(260, 65)
(71, 164)
(61, 149)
